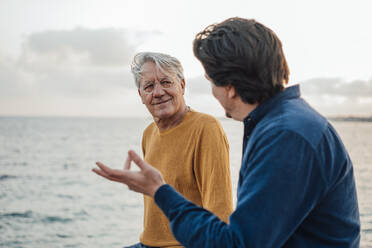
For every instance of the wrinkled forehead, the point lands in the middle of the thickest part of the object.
(152, 72)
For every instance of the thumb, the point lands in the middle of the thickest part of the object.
(137, 160)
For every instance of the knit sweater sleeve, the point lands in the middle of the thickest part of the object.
(211, 169)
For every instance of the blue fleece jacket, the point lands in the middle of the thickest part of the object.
(296, 186)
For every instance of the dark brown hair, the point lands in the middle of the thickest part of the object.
(243, 53)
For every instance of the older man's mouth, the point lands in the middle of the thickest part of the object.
(158, 103)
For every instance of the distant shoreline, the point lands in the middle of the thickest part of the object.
(335, 118)
(350, 118)
(147, 118)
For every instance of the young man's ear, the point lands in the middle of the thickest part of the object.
(231, 93)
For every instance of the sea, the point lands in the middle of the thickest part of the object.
(50, 198)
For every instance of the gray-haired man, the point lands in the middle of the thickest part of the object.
(189, 148)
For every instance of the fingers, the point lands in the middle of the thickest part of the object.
(127, 163)
(107, 170)
(137, 160)
(103, 174)
(146, 181)
(111, 173)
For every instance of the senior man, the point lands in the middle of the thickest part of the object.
(179, 133)
(296, 184)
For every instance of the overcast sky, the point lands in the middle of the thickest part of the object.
(72, 57)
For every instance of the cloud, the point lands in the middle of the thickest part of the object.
(336, 86)
(86, 71)
(330, 96)
(334, 96)
(102, 47)
(81, 92)
(62, 71)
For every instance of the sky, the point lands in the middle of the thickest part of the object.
(72, 57)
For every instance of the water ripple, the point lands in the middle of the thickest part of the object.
(53, 219)
(63, 236)
(6, 177)
(36, 217)
(27, 214)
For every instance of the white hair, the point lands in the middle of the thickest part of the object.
(166, 63)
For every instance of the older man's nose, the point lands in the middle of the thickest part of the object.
(158, 90)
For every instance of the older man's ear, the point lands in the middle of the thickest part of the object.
(183, 84)
(139, 93)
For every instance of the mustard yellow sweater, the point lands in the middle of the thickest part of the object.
(193, 157)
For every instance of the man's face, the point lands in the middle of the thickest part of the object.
(162, 94)
(221, 94)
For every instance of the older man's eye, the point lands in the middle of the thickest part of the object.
(148, 87)
(166, 84)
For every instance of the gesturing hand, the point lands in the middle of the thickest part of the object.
(146, 181)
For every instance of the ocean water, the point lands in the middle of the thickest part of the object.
(50, 198)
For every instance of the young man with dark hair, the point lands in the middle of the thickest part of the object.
(296, 184)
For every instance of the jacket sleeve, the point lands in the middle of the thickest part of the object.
(280, 184)
(212, 170)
